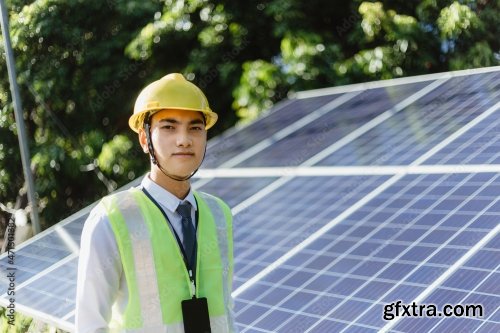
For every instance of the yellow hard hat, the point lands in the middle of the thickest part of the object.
(172, 91)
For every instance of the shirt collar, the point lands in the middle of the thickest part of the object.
(164, 197)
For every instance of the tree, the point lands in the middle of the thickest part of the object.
(82, 63)
(368, 41)
(75, 83)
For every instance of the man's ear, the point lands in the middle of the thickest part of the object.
(143, 141)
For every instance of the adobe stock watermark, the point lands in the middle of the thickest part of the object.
(212, 74)
(348, 23)
(10, 312)
(111, 88)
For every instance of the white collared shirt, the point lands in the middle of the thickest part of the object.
(101, 282)
(169, 203)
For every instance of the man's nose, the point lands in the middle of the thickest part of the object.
(183, 139)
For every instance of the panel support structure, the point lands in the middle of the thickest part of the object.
(18, 110)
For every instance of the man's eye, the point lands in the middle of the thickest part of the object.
(197, 128)
(168, 127)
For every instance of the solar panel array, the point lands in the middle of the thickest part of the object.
(345, 200)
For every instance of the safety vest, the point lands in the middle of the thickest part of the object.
(154, 267)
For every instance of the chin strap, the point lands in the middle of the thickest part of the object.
(147, 129)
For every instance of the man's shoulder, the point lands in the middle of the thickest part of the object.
(213, 198)
(121, 194)
(119, 198)
(208, 196)
(96, 220)
(99, 214)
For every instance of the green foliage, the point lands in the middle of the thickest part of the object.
(259, 82)
(21, 322)
(456, 19)
(75, 83)
(118, 160)
(479, 55)
(298, 53)
(373, 16)
(82, 63)
(24, 324)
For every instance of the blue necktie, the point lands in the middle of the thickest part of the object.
(188, 231)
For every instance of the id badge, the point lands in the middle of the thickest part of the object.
(195, 315)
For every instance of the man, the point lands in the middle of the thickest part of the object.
(158, 258)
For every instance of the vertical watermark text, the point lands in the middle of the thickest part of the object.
(10, 312)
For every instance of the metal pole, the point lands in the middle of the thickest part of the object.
(23, 145)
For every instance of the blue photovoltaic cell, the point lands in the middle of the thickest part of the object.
(279, 221)
(41, 254)
(479, 145)
(230, 144)
(55, 293)
(74, 228)
(476, 282)
(370, 259)
(235, 190)
(410, 133)
(306, 142)
(23, 273)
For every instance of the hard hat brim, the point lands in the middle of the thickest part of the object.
(136, 121)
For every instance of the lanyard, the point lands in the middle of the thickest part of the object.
(191, 270)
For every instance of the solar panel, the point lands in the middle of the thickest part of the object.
(269, 228)
(231, 144)
(59, 285)
(345, 200)
(405, 136)
(44, 251)
(369, 259)
(480, 145)
(233, 190)
(335, 123)
(476, 282)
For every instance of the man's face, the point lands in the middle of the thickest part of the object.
(179, 139)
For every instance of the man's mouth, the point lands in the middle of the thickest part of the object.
(183, 154)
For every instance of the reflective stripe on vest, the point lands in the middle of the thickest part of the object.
(153, 265)
(223, 220)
